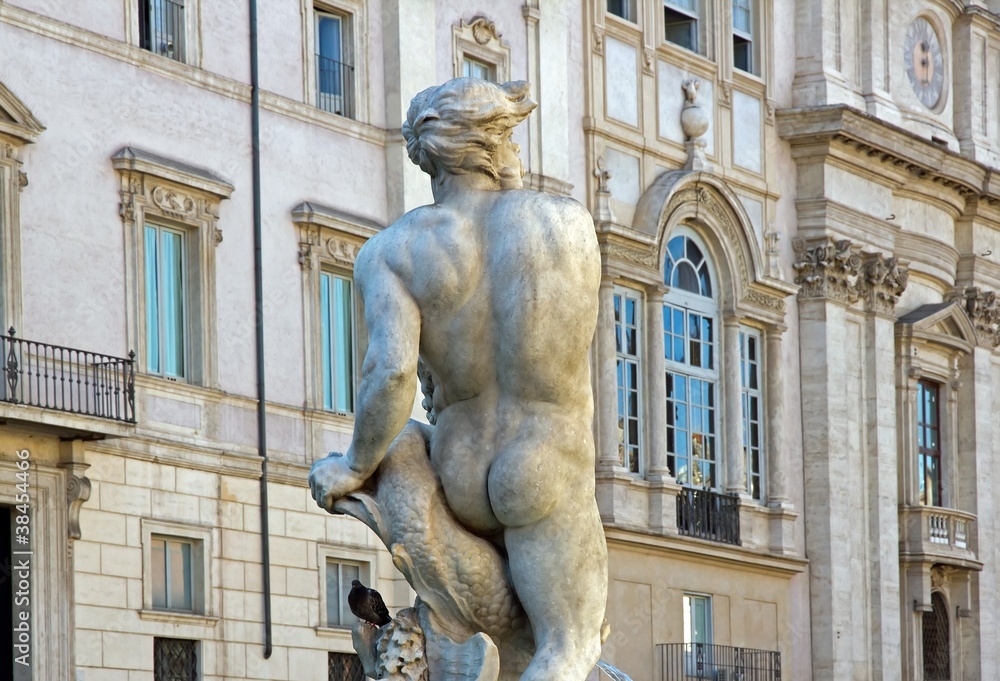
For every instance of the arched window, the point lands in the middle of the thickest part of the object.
(690, 314)
(937, 648)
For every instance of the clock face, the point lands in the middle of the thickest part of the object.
(924, 62)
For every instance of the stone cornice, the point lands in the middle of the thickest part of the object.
(873, 139)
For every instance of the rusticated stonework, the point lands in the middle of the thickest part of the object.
(883, 282)
(983, 308)
(828, 269)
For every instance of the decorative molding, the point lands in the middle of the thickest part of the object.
(828, 268)
(648, 57)
(22, 180)
(724, 219)
(599, 39)
(172, 202)
(758, 298)
(884, 280)
(983, 309)
(341, 251)
(769, 108)
(16, 120)
(726, 93)
(77, 492)
(635, 256)
(479, 39)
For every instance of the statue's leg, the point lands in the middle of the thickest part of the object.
(559, 568)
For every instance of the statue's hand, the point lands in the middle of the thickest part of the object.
(332, 478)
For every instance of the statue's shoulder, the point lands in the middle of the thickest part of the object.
(544, 206)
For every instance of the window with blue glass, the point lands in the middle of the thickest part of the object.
(334, 70)
(929, 443)
(628, 310)
(752, 410)
(690, 312)
(744, 36)
(337, 313)
(166, 304)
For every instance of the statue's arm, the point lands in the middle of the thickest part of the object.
(388, 380)
(389, 372)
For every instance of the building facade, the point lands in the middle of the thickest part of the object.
(799, 213)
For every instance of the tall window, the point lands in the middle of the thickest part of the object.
(337, 301)
(623, 8)
(338, 584)
(161, 27)
(689, 343)
(172, 574)
(929, 443)
(752, 410)
(166, 304)
(743, 36)
(697, 619)
(937, 646)
(334, 71)
(628, 309)
(681, 20)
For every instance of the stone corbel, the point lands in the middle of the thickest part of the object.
(308, 242)
(599, 39)
(983, 309)
(828, 268)
(647, 60)
(77, 492)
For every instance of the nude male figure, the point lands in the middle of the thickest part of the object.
(495, 289)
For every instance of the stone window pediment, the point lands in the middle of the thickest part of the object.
(942, 324)
(478, 41)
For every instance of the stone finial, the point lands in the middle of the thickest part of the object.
(694, 123)
(884, 280)
(983, 309)
(602, 211)
(828, 268)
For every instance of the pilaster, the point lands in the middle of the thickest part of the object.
(607, 388)
(656, 391)
(735, 457)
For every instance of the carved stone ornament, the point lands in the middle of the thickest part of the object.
(343, 252)
(173, 202)
(828, 269)
(77, 492)
(633, 256)
(647, 60)
(983, 309)
(765, 301)
(22, 180)
(599, 39)
(713, 204)
(884, 281)
(602, 211)
(694, 123)
(483, 30)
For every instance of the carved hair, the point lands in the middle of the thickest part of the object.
(461, 126)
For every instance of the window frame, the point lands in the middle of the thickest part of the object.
(167, 576)
(354, 41)
(623, 294)
(154, 189)
(490, 67)
(192, 31)
(924, 452)
(747, 393)
(329, 241)
(701, 23)
(327, 352)
(200, 539)
(367, 560)
(751, 38)
(185, 293)
(479, 40)
(690, 304)
(363, 577)
(687, 599)
(630, 11)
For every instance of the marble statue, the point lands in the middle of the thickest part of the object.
(489, 299)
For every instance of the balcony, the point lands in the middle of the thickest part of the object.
(688, 661)
(334, 86)
(705, 514)
(937, 534)
(71, 383)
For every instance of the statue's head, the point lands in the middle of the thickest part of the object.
(464, 126)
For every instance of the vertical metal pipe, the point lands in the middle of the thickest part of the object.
(259, 308)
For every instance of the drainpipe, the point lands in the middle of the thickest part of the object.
(265, 544)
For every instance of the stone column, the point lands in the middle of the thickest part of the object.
(655, 408)
(731, 401)
(775, 447)
(607, 385)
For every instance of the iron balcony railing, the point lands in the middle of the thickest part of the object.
(161, 27)
(688, 661)
(66, 379)
(334, 86)
(705, 514)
